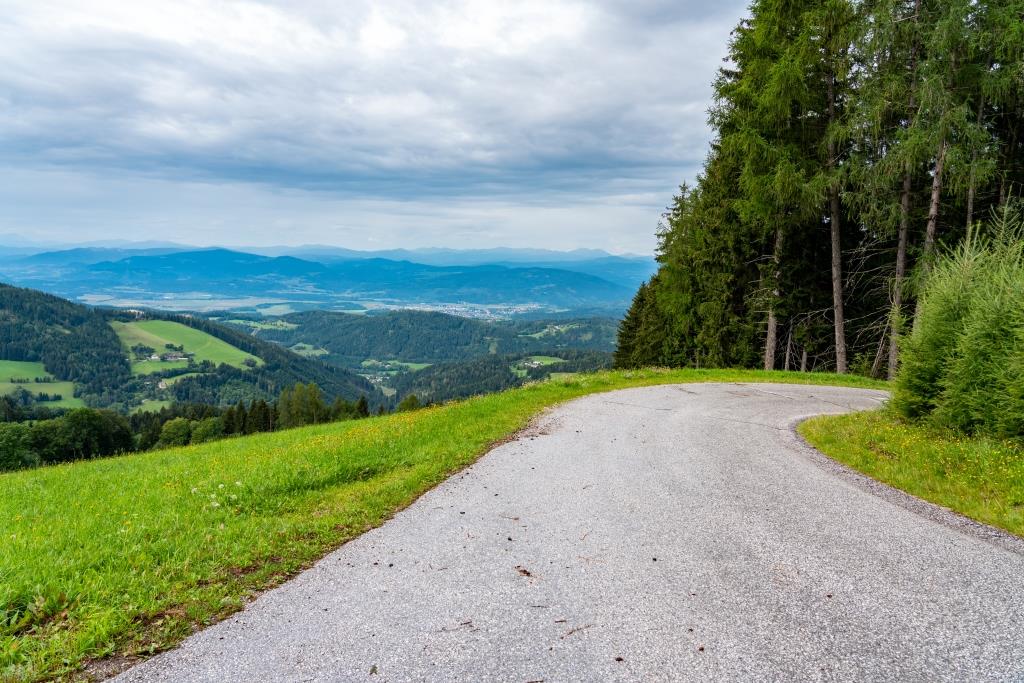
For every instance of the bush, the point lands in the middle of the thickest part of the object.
(15, 448)
(79, 435)
(210, 429)
(176, 432)
(963, 362)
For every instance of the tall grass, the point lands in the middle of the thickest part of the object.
(963, 363)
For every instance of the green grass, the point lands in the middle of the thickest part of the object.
(545, 360)
(150, 405)
(978, 477)
(14, 369)
(171, 381)
(392, 365)
(562, 375)
(126, 555)
(148, 367)
(158, 333)
(309, 350)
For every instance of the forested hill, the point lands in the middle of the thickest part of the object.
(118, 359)
(74, 343)
(851, 141)
(429, 337)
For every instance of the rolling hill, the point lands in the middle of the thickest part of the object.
(425, 336)
(106, 358)
(208, 279)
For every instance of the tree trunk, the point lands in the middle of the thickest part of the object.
(837, 248)
(901, 270)
(789, 346)
(904, 230)
(803, 361)
(876, 367)
(974, 160)
(771, 339)
(837, 285)
(933, 206)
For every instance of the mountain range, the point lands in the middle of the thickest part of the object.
(511, 280)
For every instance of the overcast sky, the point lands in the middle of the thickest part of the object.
(364, 124)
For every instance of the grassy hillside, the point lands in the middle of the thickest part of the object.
(73, 343)
(89, 350)
(158, 333)
(168, 540)
(12, 374)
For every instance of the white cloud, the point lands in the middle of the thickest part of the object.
(464, 109)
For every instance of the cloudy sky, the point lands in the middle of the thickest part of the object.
(365, 124)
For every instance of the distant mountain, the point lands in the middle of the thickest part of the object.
(152, 276)
(437, 256)
(627, 270)
(90, 255)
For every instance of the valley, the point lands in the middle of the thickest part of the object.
(487, 285)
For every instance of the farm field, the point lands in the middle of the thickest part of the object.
(309, 350)
(262, 324)
(158, 333)
(390, 366)
(26, 370)
(150, 405)
(520, 367)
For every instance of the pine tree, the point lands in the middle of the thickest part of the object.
(362, 407)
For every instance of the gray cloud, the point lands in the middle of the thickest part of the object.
(408, 114)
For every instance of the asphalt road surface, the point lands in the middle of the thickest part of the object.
(667, 533)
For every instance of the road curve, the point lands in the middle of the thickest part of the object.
(667, 533)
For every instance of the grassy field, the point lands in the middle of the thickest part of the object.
(158, 333)
(978, 477)
(308, 350)
(150, 405)
(264, 324)
(168, 540)
(545, 360)
(519, 368)
(171, 381)
(20, 370)
(391, 366)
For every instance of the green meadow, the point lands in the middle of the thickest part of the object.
(158, 333)
(25, 370)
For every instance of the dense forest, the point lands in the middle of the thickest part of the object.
(447, 381)
(429, 337)
(853, 139)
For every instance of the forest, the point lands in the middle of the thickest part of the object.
(487, 374)
(429, 337)
(855, 142)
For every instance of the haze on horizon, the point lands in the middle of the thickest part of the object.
(464, 124)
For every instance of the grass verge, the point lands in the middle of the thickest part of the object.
(125, 556)
(977, 477)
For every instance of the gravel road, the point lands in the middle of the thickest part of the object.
(667, 533)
